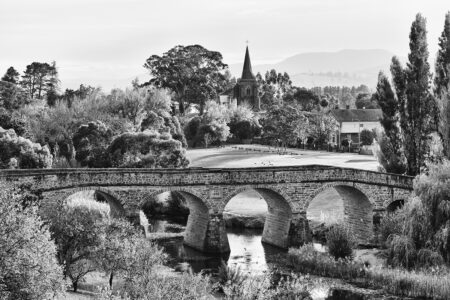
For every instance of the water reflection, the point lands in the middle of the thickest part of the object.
(250, 255)
(247, 251)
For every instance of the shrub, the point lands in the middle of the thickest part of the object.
(340, 241)
(427, 258)
(391, 224)
(9, 120)
(366, 137)
(345, 143)
(263, 287)
(245, 129)
(147, 149)
(91, 141)
(430, 284)
(18, 152)
(150, 285)
(401, 251)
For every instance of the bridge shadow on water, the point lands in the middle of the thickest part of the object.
(247, 253)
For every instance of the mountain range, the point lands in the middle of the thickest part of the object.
(347, 67)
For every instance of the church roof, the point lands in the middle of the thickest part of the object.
(247, 70)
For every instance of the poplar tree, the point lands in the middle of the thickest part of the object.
(390, 141)
(442, 85)
(417, 106)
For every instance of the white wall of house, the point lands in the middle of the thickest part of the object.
(354, 127)
(224, 99)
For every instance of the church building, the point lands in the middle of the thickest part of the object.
(246, 89)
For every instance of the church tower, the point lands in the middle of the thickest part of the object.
(246, 89)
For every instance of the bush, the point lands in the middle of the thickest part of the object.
(427, 258)
(18, 152)
(340, 242)
(8, 120)
(429, 284)
(245, 129)
(366, 137)
(345, 143)
(91, 141)
(147, 149)
(391, 224)
(401, 251)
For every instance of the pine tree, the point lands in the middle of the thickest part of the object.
(11, 75)
(417, 106)
(52, 85)
(442, 85)
(393, 160)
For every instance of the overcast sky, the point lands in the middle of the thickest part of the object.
(106, 42)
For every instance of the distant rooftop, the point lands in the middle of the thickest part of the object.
(357, 115)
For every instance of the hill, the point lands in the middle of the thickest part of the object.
(346, 67)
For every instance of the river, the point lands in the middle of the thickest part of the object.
(251, 257)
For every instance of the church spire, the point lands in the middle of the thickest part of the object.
(247, 70)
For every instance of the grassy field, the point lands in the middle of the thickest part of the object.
(326, 207)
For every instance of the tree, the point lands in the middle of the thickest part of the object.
(36, 77)
(273, 87)
(365, 101)
(393, 160)
(434, 192)
(77, 231)
(115, 254)
(320, 127)
(192, 72)
(91, 141)
(417, 106)
(366, 137)
(52, 85)
(442, 85)
(28, 265)
(11, 76)
(286, 124)
(302, 97)
(214, 123)
(12, 97)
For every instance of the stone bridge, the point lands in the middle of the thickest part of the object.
(287, 191)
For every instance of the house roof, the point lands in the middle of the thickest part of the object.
(357, 115)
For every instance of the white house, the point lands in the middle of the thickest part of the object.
(353, 121)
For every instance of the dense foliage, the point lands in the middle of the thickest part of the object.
(340, 241)
(28, 265)
(19, 152)
(148, 149)
(192, 72)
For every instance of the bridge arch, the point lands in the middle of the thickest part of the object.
(198, 219)
(100, 194)
(358, 208)
(279, 213)
(393, 205)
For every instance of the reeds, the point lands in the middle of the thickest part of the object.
(431, 283)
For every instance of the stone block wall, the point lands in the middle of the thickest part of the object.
(287, 190)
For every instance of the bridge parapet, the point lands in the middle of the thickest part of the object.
(51, 179)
